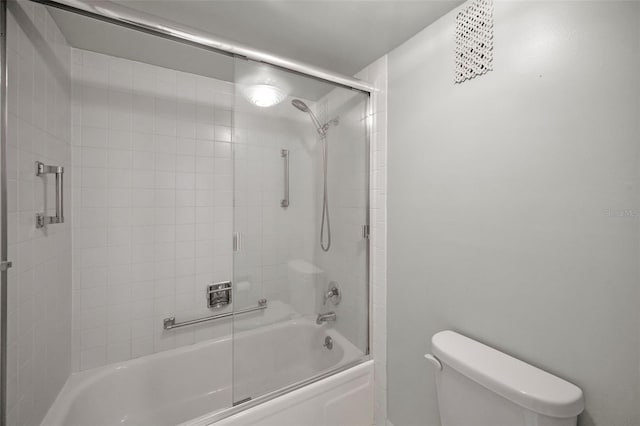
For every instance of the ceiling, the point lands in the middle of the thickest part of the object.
(342, 36)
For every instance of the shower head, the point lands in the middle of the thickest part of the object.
(322, 130)
(300, 105)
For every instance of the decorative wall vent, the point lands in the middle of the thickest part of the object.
(474, 40)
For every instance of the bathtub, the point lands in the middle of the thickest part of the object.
(193, 385)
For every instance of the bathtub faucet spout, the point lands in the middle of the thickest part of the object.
(329, 316)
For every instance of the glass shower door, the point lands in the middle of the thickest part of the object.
(300, 310)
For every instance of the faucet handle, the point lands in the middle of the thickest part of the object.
(333, 294)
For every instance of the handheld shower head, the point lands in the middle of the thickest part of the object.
(300, 105)
(304, 108)
(322, 131)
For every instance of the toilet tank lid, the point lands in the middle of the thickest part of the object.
(515, 380)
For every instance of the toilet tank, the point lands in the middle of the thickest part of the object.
(481, 386)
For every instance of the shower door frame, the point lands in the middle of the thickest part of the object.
(4, 262)
(140, 21)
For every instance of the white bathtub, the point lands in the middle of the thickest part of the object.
(188, 385)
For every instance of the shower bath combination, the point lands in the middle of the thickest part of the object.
(183, 176)
(322, 130)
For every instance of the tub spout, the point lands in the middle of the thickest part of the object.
(329, 316)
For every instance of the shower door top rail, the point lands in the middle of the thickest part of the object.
(141, 21)
(170, 323)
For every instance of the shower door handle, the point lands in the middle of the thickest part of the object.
(285, 201)
(41, 218)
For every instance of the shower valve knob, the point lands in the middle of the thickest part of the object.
(333, 294)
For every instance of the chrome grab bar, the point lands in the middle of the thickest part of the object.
(285, 201)
(237, 242)
(170, 323)
(41, 218)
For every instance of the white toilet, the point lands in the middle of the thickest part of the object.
(480, 386)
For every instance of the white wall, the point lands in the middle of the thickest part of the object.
(498, 190)
(39, 305)
(152, 197)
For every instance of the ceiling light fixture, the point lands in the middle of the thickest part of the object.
(264, 95)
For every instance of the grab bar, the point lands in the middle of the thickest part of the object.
(285, 201)
(170, 323)
(41, 218)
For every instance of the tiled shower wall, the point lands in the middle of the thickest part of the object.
(39, 290)
(153, 205)
(153, 202)
(276, 260)
(346, 261)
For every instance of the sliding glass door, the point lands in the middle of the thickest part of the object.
(300, 205)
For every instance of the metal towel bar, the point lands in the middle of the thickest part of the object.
(170, 323)
(41, 218)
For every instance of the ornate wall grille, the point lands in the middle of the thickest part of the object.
(474, 40)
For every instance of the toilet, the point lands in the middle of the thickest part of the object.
(481, 386)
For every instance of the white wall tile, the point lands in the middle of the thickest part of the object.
(134, 169)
